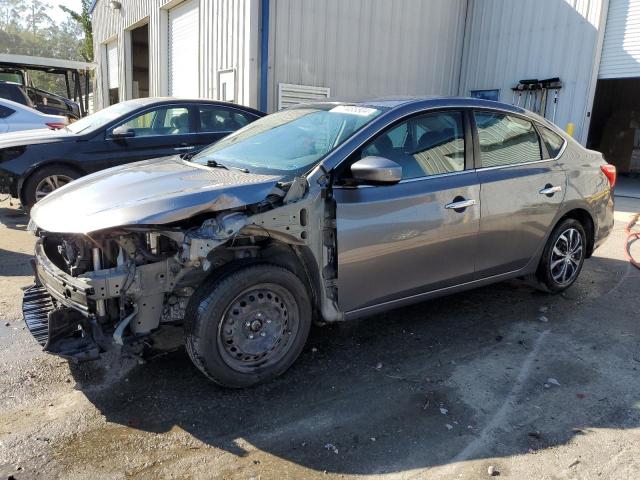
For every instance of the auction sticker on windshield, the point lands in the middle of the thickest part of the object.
(354, 110)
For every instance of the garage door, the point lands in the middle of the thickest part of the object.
(621, 48)
(112, 65)
(183, 50)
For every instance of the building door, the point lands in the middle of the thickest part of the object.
(113, 71)
(615, 119)
(140, 62)
(183, 55)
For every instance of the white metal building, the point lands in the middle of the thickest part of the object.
(272, 53)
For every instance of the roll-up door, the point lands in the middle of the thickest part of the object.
(112, 65)
(621, 48)
(183, 50)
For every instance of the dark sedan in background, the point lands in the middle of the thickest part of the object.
(36, 162)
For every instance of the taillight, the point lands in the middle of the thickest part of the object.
(55, 125)
(609, 172)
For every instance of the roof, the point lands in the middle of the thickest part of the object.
(389, 103)
(42, 63)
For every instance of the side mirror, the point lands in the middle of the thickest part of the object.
(377, 170)
(123, 132)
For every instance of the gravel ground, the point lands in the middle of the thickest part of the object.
(451, 388)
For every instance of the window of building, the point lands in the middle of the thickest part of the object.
(426, 145)
(220, 119)
(506, 140)
(553, 141)
(162, 121)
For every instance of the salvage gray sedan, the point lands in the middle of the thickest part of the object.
(324, 212)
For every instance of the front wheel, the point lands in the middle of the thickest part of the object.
(563, 256)
(249, 326)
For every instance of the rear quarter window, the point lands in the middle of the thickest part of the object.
(552, 140)
(6, 111)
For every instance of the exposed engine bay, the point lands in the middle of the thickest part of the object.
(116, 286)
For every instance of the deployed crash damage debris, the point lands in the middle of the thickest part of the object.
(113, 286)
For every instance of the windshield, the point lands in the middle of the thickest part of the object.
(289, 142)
(102, 117)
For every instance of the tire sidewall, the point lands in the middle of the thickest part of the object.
(544, 269)
(29, 187)
(206, 314)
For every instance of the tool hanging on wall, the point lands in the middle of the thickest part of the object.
(536, 95)
(551, 84)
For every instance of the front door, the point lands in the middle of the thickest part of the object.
(415, 236)
(159, 132)
(521, 192)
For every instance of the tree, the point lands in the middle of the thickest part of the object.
(84, 20)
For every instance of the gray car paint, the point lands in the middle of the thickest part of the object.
(447, 256)
(150, 192)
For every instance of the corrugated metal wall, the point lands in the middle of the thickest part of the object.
(226, 43)
(621, 50)
(366, 48)
(506, 41)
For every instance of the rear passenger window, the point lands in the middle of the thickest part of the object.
(426, 145)
(6, 111)
(506, 140)
(220, 119)
(552, 140)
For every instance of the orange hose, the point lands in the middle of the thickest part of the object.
(632, 236)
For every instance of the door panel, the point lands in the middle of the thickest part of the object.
(515, 216)
(399, 240)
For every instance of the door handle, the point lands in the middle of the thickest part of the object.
(182, 149)
(460, 205)
(550, 190)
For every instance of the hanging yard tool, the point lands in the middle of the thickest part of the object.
(536, 95)
(550, 84)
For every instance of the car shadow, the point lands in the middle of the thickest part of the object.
(410, 388)
(14, 218)
(15, 264)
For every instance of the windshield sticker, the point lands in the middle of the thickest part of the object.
(354, 110)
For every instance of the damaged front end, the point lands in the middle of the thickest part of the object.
(113, 288)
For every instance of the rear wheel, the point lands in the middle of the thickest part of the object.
(44, 181)
(563, 256)
(249, 326)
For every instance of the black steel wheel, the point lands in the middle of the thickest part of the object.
(563, 256)
(249, 326)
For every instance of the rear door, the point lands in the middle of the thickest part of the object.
(415, 236)
(217, 121)
(521, 192)
(158, 132)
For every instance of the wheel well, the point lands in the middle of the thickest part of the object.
(297, 260)
(46, 165)
(585, 219)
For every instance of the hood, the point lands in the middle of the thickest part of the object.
(150, 192)
(39, 135)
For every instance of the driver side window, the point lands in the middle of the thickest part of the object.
(426, 145)
(161, 121)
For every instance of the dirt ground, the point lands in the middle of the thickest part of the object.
(445, 389)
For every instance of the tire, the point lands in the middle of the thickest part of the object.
(236, 327)
(31, 192)
(559, 268)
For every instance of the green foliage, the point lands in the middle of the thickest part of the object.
(27, 29)
(84, 20)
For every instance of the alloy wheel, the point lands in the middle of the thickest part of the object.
(566, 256)
(49, 184)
